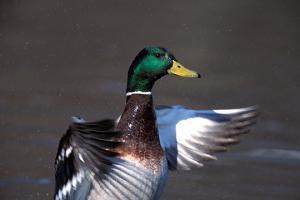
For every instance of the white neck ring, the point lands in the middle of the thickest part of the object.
(138, 92)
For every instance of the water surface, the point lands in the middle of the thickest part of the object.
(65, 58)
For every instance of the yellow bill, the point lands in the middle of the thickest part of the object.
(179, 70)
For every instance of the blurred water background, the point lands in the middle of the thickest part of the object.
(63, 58)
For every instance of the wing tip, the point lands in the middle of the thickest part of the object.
(247, 109)
(78, 119)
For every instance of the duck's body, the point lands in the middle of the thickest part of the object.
(142, 182)
(140, 135)
(129, 158)
(141, 145)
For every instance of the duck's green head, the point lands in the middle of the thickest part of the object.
(151, 64)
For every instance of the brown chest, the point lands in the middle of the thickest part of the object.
(139, 132)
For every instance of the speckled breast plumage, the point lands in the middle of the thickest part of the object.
(139, 133)
(141, 144)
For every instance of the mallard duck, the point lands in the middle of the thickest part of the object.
(129, 158)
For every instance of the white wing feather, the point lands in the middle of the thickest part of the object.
(190, 137)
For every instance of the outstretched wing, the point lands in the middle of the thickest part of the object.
(87, 147)
(190, 137)
(87, 166)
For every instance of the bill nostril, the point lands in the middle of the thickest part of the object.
(178, 66)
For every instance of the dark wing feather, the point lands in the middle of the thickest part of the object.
(88, 167)
(87, 147)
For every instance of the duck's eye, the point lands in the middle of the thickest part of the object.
(157, 55)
